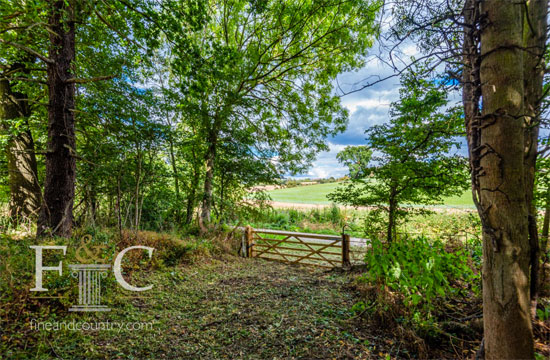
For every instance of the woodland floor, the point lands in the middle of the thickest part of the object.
(252, 309)
(233, 308)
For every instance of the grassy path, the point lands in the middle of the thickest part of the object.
(239, 308)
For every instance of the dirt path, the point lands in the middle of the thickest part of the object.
(247, 308)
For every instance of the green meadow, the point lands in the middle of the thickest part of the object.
(317, 194)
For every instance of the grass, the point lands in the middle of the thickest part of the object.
(225, 308)
(317, 194)
(310, 194)
(211, 306)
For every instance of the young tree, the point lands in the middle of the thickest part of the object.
(411, 160)
(542, 201)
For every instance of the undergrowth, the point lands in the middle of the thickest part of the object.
(20, 306)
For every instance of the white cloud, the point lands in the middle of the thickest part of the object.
(367, 107)
(326, 164)
(367, 103)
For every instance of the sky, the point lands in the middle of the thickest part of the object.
(366, 108)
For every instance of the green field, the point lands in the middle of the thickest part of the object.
(317, 194)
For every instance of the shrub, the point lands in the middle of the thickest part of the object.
(335, 214)
(420, 271)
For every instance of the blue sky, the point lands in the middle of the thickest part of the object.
(366, 108)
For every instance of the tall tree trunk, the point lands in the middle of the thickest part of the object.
(118, 209)
(546, 223)
(138, 182)
(191, 203)
(534, 38)
(471, 91)
(506, 250)
(222, 186)
(544, 240)
(56, 213)
(391, 218)
(206, 210)
(176, 177)
(22, 169)
(91, 204)
(193, 191)
(208, 185)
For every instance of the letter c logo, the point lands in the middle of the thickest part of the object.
(118, 273)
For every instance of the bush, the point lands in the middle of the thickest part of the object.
(335, 215)
(420, 271)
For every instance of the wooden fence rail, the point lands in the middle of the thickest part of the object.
(298, 248)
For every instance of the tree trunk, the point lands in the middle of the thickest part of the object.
(91, 205)
(546, 222)
(222, 185)
(138, 179)
(544, 240)
(56, 213)
(208, 184)
(22, 169)
(190, 203)
(391, 217)
(119, 217)
(206, 210)
(176, 177)
(506, 250)
(471, 90)
(193, 191)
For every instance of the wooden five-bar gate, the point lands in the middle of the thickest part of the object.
(298, 248)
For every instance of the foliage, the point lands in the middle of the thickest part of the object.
(356, 158)
(256, 83)
(422, 272)
(412, 156)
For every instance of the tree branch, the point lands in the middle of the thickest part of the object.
(28, 50)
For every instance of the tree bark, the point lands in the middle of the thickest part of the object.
(206, 210)
(546, 223)
(544, 240)
(222, 186)
(22, 169)
(56, 213)
(191, 203)
(137, 188)
(208, 185)
(176, 177)
(391, 217)
(119, 217)
(506, 249)
(191, 198)
(471, 90)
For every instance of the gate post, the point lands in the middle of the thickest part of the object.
(345, 250)
(248, 234)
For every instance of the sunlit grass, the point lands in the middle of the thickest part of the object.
(317, 194)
